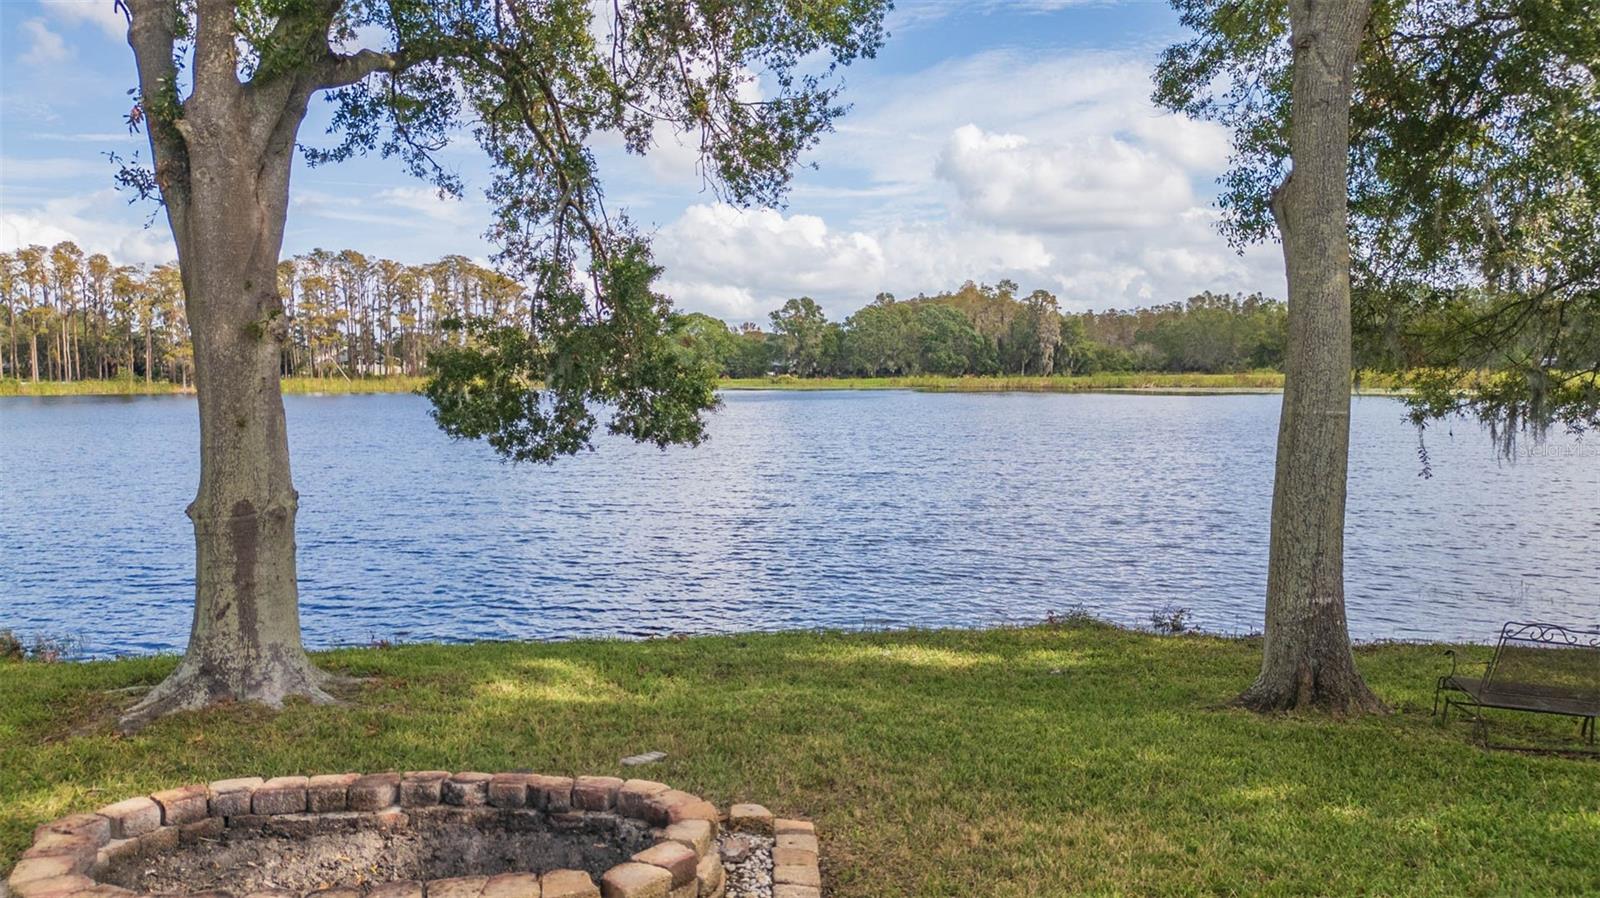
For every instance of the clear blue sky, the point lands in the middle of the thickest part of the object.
(989, 139)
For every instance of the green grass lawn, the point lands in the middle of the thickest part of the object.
(1057, 760)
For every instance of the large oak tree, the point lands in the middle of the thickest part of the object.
(223, 89)
(1304, 75)
(1307, 658)
(1454, 150)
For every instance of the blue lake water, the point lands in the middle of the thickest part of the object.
(832, 509)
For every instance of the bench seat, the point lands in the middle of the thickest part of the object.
(1527, 697)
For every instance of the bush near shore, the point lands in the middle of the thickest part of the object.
(1064, 759)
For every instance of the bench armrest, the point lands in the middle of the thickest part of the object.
(1455, 661)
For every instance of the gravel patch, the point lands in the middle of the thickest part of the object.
(747, 860)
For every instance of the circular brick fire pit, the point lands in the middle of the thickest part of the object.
(427, 834)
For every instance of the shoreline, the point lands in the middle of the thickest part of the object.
(1148, 383)
(68, 649)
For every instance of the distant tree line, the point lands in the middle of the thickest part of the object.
(359, 316)
(983, 329)
(69, 316)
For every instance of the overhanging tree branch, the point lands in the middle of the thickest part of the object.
(152, 33)
(343, 70)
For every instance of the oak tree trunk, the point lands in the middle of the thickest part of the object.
(1307, 661)
(244, 641)
(224, 169)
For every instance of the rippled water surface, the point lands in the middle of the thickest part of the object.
(831, 509)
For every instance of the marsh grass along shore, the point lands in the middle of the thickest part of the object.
(1067, 759)
(1132, 382)
(126, 387)
(1245, 382)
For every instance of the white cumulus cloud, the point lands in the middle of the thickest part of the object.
(1092, 183)
(1078, 185)
(428, 205)
(103, 15)
(44, 46)
(740, 264)
(717, 255)
(82, 219)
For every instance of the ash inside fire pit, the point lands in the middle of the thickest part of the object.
(245, 861)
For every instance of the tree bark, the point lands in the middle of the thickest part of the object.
(224, 168)
(1308, 662)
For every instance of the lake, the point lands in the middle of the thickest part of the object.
(813, 509)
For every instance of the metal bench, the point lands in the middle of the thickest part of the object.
(1538, 668)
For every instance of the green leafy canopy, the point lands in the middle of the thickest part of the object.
(1474, 189)
(754, 83)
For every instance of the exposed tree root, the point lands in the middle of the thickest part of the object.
(1337, 692)
(195, 686)
(126, 690)
(337, 681)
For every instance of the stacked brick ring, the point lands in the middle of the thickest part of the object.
(69, 855)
